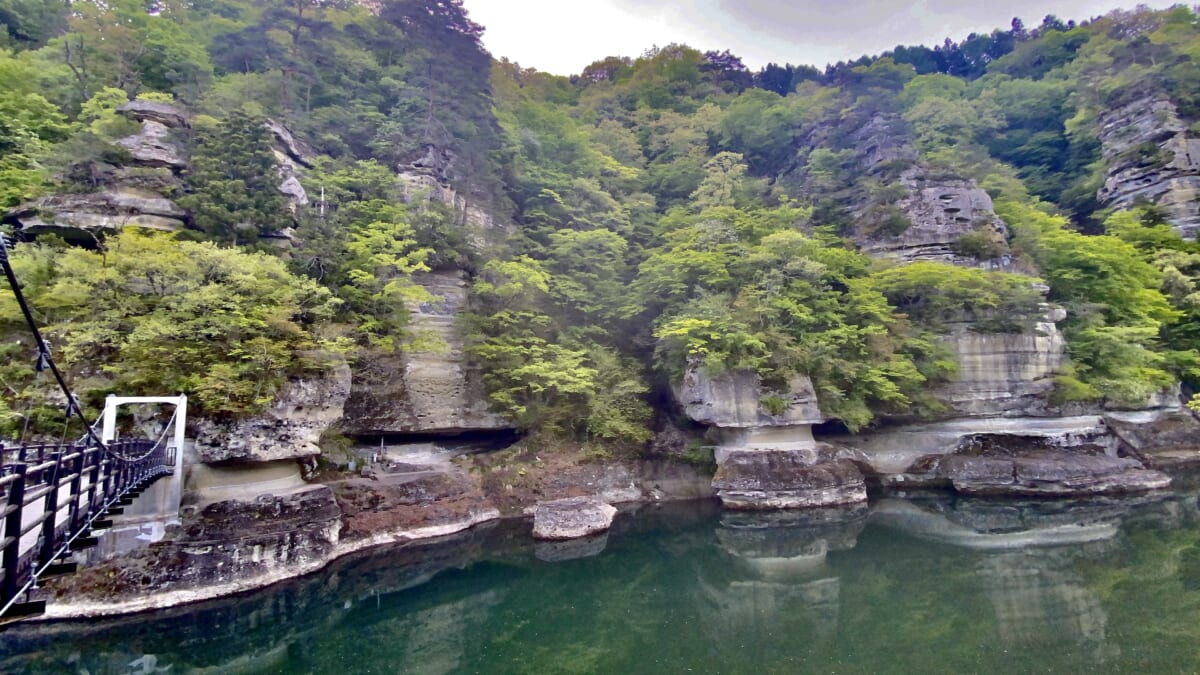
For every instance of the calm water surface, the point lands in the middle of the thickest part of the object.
(914, 586)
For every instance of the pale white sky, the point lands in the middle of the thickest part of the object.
(564, 36)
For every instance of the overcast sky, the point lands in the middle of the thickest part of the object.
(564, 36)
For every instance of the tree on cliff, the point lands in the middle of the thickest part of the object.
(152, 314)
(442, 117)
(232, 194)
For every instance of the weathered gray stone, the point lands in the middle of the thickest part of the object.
(1173, 184)
(294, 191)
(909, 455)
(410, 499)
(571, 518)
(1049, 474)
(734, 399)
(154, 146)
(111, 209)
(786, 479)
(1162, 440)
(291, 428)
(293, 148)
(431, 391)
(882, 142)
(1004, 373)
(941, 212)
(153, 111)
(422, 184)
(250, 542)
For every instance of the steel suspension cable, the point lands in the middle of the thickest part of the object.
(43, 349)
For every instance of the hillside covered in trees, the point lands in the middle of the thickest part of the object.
(647, 217)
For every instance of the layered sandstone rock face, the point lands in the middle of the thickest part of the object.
(245, 544)
(1150, 155)
(787, 479)
(110, 209)
(137, 193)
(140, 190)
(156, 145)
(940, 211)
(1161, 440)
(883, 142)
(410, 500)
(1051, 457)
(767, 458)
(1004, 373)
(735, 399)
(430, 391)
(289, 429)
(1049, 474)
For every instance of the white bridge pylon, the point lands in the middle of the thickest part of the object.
(108, 432)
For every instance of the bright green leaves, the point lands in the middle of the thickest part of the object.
(382, 256)
(1178, 263)
(931, 293)
(723, 183)
(707, 332)
(549, 373)
(364, 242)
(1115, 310)
(29, 126)
(745, 289)
(161, 316)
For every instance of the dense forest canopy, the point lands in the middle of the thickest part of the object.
(655, 214)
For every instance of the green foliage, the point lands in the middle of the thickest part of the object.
(980, 244)
(747, 290)
(1178, 262)
(29, 124)
(1114, 304)
(552, 375)
(232, 194)
(931, 293)
(148, 314)
(669, 210)
(366, 245)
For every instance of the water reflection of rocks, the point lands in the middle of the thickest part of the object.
(760, 584)
(780, 583)
(1031, 550)
(261, 631)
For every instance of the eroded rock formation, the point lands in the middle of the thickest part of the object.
(1004, 373)
(787, 479)
(1160, 439)
(1052, 457)
(940, 212)
(1150, 155)
(428, 391)
(736, 399)
(289, 429)
(243, 544)
(112, 209)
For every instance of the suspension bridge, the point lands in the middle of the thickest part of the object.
(57, 498)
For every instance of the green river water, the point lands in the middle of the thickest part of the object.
(906, 586)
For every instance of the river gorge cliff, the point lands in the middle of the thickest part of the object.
(413, 289)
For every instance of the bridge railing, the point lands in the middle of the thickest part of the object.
(52, 494)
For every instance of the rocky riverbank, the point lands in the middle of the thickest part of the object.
(239, 544)
(233, 545)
